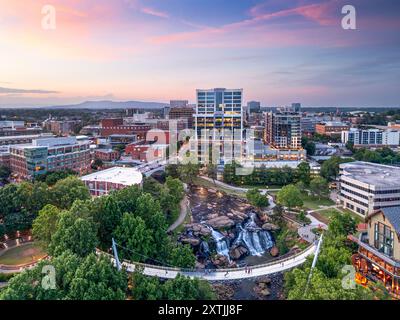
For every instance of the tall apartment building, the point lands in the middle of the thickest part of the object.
(219, 122)
(283, 130)
(49, 154)
(371, 137)
(366, 187)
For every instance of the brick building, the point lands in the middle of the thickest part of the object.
(49, 154)
(116, 126)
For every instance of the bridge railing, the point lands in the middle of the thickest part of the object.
(188, 270)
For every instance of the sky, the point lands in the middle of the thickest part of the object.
(278, 51)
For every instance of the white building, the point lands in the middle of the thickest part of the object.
(366, 187)
(115, 178)
(371, 137)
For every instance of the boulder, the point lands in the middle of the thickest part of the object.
(263, 281)
(198, 229)
(265, 292)
(191, 241)
(270, 227)
(220, 222)
(220, 261)
(274, 251)
(238, 252)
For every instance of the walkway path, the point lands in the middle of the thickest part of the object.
(182, 216)
(223, 274)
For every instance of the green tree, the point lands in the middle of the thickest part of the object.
(183, 288)
(45, 225)
(107, 216)
(182, 256)
(256, 198)
(319, 186)
(97, 279)
(290, 196)
(77, 278)
(330, 167)
(66, 191)
(304, 173)
(188, 171)
(135, 239)
(75, 234)
(4, 173)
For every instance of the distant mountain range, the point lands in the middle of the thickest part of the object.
(102, 104)
(108, 104)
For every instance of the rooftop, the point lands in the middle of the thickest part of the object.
(378, 175)
(120, 175)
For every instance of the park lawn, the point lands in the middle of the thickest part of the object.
(23, 254)
(313, 203)
(328, 213)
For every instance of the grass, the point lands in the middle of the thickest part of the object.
(328, 213)
(23, 254)
(314, 203)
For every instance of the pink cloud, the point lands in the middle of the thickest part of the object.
(154, 12)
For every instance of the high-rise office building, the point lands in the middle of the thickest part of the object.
(283, 130)
(219, 123)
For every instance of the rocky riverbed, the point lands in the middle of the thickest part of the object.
(261, 288)
(225, 230)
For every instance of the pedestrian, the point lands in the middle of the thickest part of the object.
(226, 274)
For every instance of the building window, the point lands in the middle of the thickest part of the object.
(383, 239)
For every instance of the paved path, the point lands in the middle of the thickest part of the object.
(182, 216)
(223, 274)
(306, 231)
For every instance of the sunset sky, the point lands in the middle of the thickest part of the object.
(278, 51)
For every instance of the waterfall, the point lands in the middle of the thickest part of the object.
(221, 243)
(256, 240)
(204, 248)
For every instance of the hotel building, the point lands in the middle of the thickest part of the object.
(378, 256)
(366, 187)
(49, 154)
(219, 124)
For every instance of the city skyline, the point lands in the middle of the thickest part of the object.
(277, 51)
